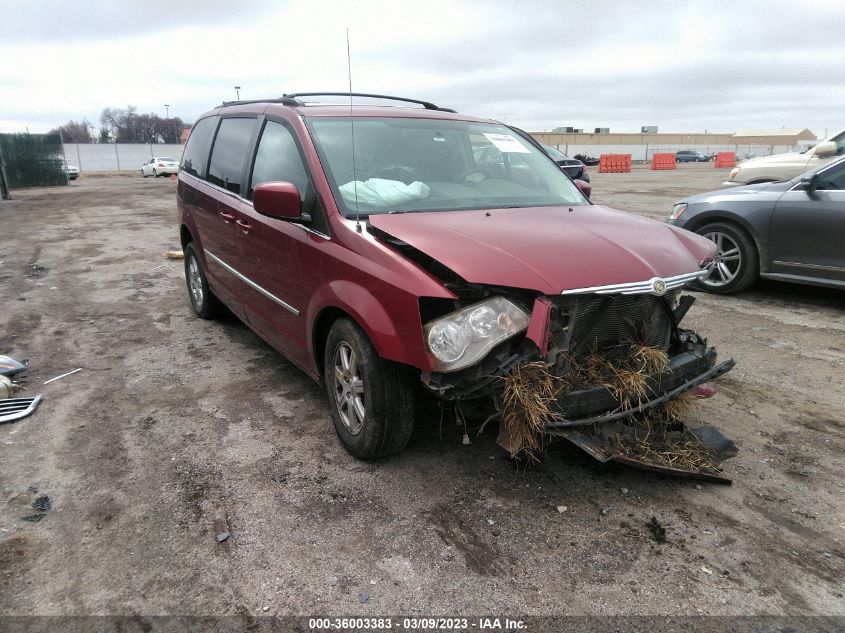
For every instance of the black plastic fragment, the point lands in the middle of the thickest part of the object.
(42, 503)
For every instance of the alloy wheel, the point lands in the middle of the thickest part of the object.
(349, 388)
(726, 264)
(195, 281)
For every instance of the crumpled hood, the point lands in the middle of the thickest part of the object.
(549, 249)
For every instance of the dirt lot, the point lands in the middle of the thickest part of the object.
(178, 429)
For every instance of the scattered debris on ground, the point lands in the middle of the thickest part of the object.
(42, 503)
(658, 532)
(47, 382)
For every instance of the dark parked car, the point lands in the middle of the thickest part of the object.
(592, 161)
(448, 252)
(790, 231)
(691, 156)
(572, 166)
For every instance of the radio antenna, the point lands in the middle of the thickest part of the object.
(352, 126)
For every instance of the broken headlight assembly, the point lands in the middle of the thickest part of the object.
(464, 337)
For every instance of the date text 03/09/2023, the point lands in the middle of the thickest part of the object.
(416, 624)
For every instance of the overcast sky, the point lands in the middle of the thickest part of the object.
(684, 66)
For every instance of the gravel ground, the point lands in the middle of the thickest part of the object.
(177, 430)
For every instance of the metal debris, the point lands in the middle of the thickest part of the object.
(47, 382)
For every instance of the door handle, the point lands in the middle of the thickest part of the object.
(227, 217)
(245, 226)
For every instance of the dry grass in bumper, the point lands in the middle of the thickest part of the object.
(529, 402)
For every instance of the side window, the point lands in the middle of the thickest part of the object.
(278, 159)
(195, 157)
(229, 153)
(833, 178)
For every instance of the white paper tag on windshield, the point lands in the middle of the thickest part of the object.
(507, 143)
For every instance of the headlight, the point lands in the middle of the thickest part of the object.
(463, 338)
(677, 210)
(734, 172)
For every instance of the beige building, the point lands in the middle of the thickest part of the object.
(642, 146)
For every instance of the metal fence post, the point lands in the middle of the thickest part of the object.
(116, 157)
(4, 185)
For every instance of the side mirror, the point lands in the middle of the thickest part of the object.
(278, 200)
(584, 187)
(823, 150)
(810, 184)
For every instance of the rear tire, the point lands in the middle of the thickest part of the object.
(371, 399)
(737, 262)
(203, 301)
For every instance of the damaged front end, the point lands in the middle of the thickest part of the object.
(610, 369)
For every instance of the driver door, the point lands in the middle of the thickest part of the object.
(808, 228)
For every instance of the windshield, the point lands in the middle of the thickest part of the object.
(407, 165)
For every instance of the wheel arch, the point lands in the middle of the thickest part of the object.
(320, 333)
(726, 217)
(388, 330)
(185, 236)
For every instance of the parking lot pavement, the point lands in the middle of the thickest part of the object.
(178, 430)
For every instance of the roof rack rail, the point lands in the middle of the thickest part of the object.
(285, 100)
(426, 104)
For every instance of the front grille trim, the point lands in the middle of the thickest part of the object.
(640, 287)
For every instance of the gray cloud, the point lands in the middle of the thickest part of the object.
(686, 66)
(64, 21)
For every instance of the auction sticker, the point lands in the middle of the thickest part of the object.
(507, 144)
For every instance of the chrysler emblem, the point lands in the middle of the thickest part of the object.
(659, 287)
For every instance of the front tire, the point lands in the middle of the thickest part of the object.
(371, 399)
(736, 264)
(155, 173)
(203, 301)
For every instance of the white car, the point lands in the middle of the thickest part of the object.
(71, 171)
(159, 166)
(787, 166)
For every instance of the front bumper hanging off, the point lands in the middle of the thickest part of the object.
(598, 433)
(685, 371)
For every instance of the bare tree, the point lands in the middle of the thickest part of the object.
(74, 132)
(127, 126)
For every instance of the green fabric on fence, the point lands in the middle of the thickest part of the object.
(33, 160)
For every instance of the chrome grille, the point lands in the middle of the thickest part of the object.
(12, 409)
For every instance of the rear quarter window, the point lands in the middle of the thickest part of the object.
(195, 157)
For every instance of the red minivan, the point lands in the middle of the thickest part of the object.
(376, 246)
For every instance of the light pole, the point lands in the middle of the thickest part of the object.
(238, 92)
(167, 109)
